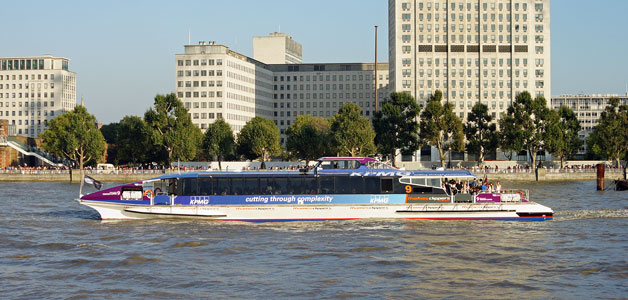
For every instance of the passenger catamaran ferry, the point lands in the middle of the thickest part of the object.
(337, 188)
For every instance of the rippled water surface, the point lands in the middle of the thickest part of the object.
(52, 247)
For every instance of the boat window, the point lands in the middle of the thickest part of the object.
(266, 186)
(349, 185)
(326, 185)
(405, 180)
(131, 193)
(204, 186)
(304, 185)
(371, 185)
(387, 185)
(251, 186)
(160, 187)
(350, 164)
(172, 186)
(190, 186)
(325, 165)
(221, 186)
(435, 182)
(237, 186)
(281, 186)
(420, 181)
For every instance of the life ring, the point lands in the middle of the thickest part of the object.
(149, 194)
(522, 194)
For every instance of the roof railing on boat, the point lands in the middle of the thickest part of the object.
(379, 165)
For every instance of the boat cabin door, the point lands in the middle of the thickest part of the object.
(162, 192)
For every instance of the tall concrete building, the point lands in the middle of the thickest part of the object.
(214, 82)
(480, 50)
(35, 90)
(277, 48)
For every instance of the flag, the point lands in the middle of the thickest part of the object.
(97, 184)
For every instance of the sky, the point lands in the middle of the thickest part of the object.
(123, 52)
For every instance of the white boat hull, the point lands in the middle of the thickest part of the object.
(444, 211)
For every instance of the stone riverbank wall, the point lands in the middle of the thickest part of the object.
(522, 175)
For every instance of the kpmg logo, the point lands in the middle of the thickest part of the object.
(199, 200)
(379, 199)
(381, 173)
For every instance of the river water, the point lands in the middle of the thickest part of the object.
(51, 247)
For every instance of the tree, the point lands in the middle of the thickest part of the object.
(308, 137)
(351, 133)
(219, 141)
(524, 127)
(396, 125)
(480, 132)
(562, 133)
(259, 138)
(134, 140)
(172, 128)
(110, 132)
(440, 127)
(609, 138)
(74, 135)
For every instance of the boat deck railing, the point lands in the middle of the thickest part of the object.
(505, 195)
(379, 165)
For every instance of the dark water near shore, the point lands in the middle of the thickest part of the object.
(51, 247)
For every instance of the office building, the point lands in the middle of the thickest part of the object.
(320, 90)
(588, 109)
(35, 90)
(277, 48)
(481, 50)
(215, 82)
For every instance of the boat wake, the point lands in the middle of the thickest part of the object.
(570, 215)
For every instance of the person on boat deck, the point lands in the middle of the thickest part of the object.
(483, 187)
(498, 187)
(459, 186)
(452, 186)
(446, 186)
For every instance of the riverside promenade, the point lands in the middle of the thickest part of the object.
(17, 175)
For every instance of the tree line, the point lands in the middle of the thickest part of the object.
(167, 134)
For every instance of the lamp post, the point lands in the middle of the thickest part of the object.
(376, 104)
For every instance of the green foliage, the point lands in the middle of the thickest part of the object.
(609, 138)
(351, 133)
(219, 141)
(396, 125)
(134, 143)
(481, 132)
(308, 137)
(74, 135)
(440, 127)
(111, 132)
(172, 128)
(259, 138)
(525, 126)
(562, 133)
